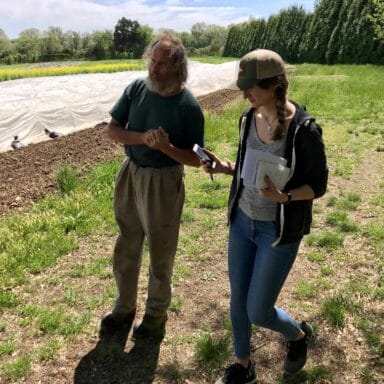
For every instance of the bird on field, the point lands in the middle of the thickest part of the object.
(52, 134)
(16, 143)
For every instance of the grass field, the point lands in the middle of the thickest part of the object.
(56, 278)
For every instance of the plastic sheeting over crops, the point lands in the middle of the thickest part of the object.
(68, 103)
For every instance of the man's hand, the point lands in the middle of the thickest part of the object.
(156, 138)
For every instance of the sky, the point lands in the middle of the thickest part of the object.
(99, 15)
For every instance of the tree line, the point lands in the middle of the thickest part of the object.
(337, 32)
(126, 41)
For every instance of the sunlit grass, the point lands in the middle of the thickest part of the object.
(67, 179)
(314, 256)
(305, 289)
(49, 351)
(334, 310)
(7, 348)
(213, 351)
(341, 221)
(17, 368)
(327, 240)
(176, 305)
(213, 59)
(375, 231)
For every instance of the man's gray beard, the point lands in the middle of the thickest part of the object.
(161, 87)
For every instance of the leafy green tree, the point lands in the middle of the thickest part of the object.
(186, 39)
(336, 39)
(146, 35)
(85, 45)
(216, 36)
(290, 30)
(101, 45)
(242, 38)
(358, 36)
(5, 45)
(377, 18)
(72, 44)
(229, 44)
(126, 38)
(199, 35)
(270, 38)
(315, 44)
(53, 44)
(204, 39)
(350, 32)
(28, 46)
(258, 28)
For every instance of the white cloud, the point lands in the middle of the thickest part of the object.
(91, 15)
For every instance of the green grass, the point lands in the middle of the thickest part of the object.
(311, 375)
(334, 310)
(348, 202)
(367, 376)
(341, 221)
(213, 351)
(67, 179)
(305, 289)
(32, 242)
(375, 230)
(176, 305)
(317, 373)
(328, 240)
(180, 272)
(326, 270)
(213, 59)
(6, 348)
(345, 282)
(49, 350)
(315, 256)
(94, 268)
(18, 368)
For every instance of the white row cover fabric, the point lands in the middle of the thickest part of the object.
(68, 103)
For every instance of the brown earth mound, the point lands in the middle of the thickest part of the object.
(27, 174)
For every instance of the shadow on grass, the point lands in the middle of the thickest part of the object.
(108, 363)
(294, 378)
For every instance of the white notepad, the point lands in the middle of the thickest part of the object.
(258, 163)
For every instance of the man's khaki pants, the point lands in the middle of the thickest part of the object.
(148, 203)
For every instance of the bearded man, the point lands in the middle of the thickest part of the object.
(158, 121)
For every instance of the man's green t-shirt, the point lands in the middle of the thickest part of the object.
(140, 109)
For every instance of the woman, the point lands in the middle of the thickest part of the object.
(270, 212)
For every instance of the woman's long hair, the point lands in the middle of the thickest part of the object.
(280, 84)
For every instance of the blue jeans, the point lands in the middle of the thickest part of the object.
(257, 272)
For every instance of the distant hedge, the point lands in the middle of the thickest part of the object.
(337, 32)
